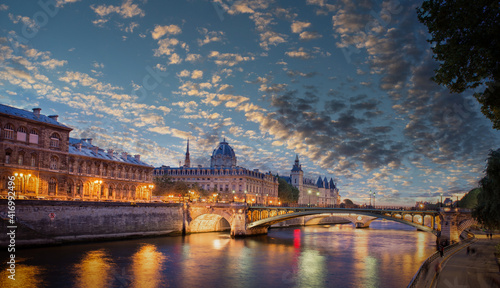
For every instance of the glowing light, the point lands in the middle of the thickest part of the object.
(15, 174)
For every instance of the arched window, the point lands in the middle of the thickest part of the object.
(70, 188)
(52, 185)
(21, 134)
(54, 163)
(31, 185)
(55, 140)
(20, 159)
(33, 136)
(8, 131)
(8, 154)
(79, 188)
(88, 168)
(33, 160)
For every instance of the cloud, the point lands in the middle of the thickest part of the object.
(126, 10)
(161, 31)
(301, 53)
(77, 77)
(306, 35)
(298, 26)
(166, 46)
(174, 59)
(3, 7)
(53, 63)
(228, 59)
(193, 57)
(210, 36)
(197, 74)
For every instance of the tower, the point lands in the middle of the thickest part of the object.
(187, 161)
(297, 175)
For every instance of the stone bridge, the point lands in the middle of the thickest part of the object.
(243, 220)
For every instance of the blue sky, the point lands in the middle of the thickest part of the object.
(344, 84)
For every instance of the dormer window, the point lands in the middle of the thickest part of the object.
(55, 140)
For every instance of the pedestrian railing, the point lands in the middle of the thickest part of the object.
(425, 267)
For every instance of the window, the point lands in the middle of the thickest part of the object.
(70, 188)
(21, 134)
(52, 185)
(88, 169)
(80, 169)
(54, 140)
(31, 185)
(33, 136)
(20, 159)
(8, 132)
(33, 160)
(54, 163)
(7, 157)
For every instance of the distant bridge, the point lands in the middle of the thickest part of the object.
(245, 220)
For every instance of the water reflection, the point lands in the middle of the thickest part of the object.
(147, 265)
(25, 276)
(385, 255)
(94, 270)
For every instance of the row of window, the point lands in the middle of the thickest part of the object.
(23, 136)
(54, 165)
(208, 172)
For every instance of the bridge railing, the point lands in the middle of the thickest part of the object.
(361, 207)
(425, 267)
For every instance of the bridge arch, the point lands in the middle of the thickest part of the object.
(209, 223)
(363, 222)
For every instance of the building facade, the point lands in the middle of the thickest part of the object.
(225, 178)
(320, 192)
(48, 164)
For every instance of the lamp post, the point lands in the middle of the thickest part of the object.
(370, 197)
(245, 196)
(233, 195)
(373, 199)
(95, 185)
(150, 191)
(441, 203)
(309, 192)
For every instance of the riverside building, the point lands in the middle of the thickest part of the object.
(225, 179)
(320, 192)
(48, 164)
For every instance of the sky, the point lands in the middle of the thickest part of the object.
(343, 84)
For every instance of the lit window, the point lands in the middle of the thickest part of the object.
(8, 132)
(52, 185)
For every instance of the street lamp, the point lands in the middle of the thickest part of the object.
(317, 194)
(215, 195)
(373, 199)
(245, 196)
(370, 197)
(309, 192)
(441, 204)
(98, 192)
(151, 191)
(233, 196)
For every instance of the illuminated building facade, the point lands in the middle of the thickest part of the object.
(320, 192)
(230, 182)
(48, 164)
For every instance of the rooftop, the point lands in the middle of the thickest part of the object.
(31, 115)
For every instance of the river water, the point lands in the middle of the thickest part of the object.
(385, 255)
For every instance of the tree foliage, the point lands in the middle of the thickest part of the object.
(487, 211)
(164, 186)
(466, 43)
(469, 200)
(286, 192)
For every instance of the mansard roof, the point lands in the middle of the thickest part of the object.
(30, 115)
(88, 150)
(319, 183)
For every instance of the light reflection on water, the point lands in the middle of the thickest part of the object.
(385, 255)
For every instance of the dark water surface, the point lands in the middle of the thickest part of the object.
(385, 255)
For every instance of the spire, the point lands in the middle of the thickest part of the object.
(187, 161)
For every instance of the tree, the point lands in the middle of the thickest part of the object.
(487, 211)
(466, 42)
(469, 200)
(286, 192)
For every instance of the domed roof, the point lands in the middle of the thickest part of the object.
(223, 156)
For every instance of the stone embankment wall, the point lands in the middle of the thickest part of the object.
(55, 222)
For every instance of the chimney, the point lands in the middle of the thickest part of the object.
(95, 149)
(110, 152)
(124, 155)
(36, 111)
(137, 157)
(89, 140)
(53, 117)
(79, 146)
